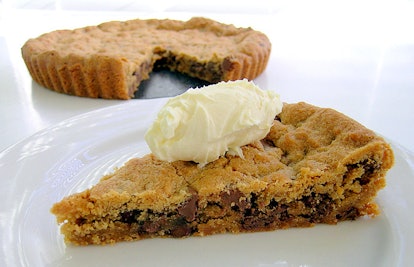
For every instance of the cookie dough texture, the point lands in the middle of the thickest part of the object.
(111, 59)
(315, 166)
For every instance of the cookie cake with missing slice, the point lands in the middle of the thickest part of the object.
(110, 60)
(298, 166)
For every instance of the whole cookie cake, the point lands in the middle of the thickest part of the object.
(110, 60)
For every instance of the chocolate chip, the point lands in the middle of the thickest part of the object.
(369, 169)
(130, 216)
(181, 231)
(227, 64)
(80, 221)
(234, 199)
(180, 228)
(350, 214)
(262, 219)
(368, 165)
(152, 226)
(320, 205)
(189, 208)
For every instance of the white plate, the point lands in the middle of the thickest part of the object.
(72, 156)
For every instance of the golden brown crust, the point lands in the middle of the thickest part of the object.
(315, 166)
(110, 60)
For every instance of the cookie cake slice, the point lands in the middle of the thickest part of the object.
(311, 165)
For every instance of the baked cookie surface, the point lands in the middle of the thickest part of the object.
(111, 59)
(315, 166)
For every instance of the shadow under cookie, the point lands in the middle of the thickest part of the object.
(165, 83)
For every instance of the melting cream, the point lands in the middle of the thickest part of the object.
(203, 124)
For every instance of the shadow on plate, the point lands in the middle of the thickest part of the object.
(164, 83)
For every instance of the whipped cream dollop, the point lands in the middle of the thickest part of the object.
(203, 124)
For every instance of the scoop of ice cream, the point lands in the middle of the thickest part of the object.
(203, 124)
